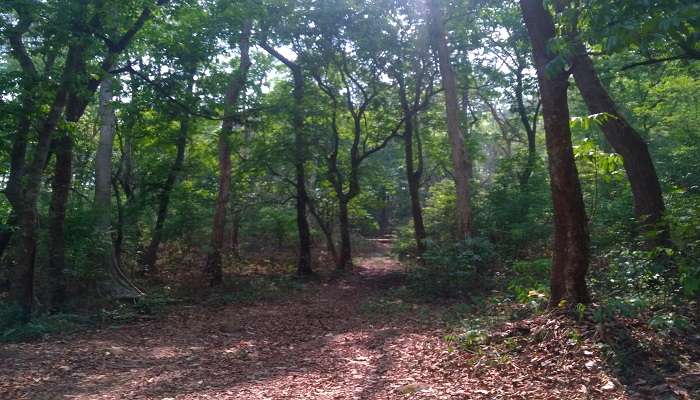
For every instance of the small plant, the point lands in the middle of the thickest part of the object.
(529, 284)
(14, 329)
(452, 269)
(667, 322)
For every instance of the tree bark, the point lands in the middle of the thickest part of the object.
(233, 92)
(302, 198)
(22, 290)
(571, 240)
(304, 261)
(461, 162)
(150, 255)
(624, 139)
(115, 283)
(345, 259)
(60, 189)
(413, 174)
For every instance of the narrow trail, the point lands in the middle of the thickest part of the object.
(321, 344)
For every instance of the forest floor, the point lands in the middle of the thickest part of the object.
(344, 339)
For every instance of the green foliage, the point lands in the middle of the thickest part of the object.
(439, 210)
(452, 269)
(514, 216)
(14, 328)
(529, 281)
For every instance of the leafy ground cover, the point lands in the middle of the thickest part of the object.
(352, 338)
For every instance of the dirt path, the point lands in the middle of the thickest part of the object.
(322, 344)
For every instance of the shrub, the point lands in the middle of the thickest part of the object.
(529, 282)
(452, 269)
(13, 328)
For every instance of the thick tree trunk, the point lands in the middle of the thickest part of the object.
(571, 240)
(150, 255)
(22, 290)
(461, 163)
(115, 283)
(624, 139)
(18, 153)
(236, 86)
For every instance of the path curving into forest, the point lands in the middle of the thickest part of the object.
(325, 343)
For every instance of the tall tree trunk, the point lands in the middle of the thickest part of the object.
(624, 139)
(238, 80)
(304, 261)
(302, 198)
(413, 177)
(345, 258)
(22, 290)
(60, 190)
(116, 284)
(571, 240)
(18, 153)
(460, 158)
(60, 193)
(150, 255)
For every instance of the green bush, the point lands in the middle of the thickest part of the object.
(13, 327)
(452, 269)
(530, 280)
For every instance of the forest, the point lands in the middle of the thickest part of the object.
(349, 199)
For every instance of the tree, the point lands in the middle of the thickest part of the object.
(571, 241)
(234, 90)
(117, 285)
(462, 165)
(624, 139)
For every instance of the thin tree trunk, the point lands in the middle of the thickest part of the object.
(234, 233)
(345, 259)
(461, 163)
(304, 261)
(302, 198)
(60, 189)
(327, 229)
(571, 240)
(150, 255)
(530, 130)
(235, 88)
(413, 175)
(624, 139)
